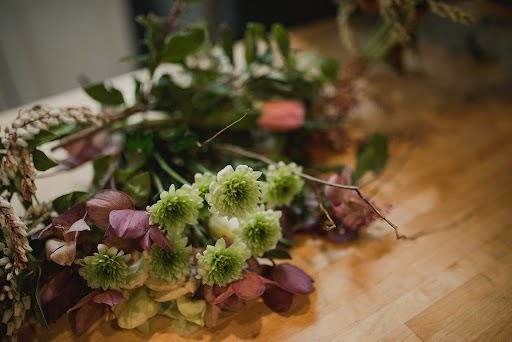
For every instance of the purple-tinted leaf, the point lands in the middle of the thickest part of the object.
(278, 299)
(292, 279)
(211, 315)
(102, 143)
(250, 287)
(100, 206)
(75, 288)
(84, 300)
(110, 297)
(336, 195)
(54, 286)
(159, 238)
(65, 220)
(78, 226)
(83, 318)
(61, 252)
(223, 296)
(128, 223)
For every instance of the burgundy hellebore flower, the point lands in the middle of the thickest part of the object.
(286, 281)
(282, 115)
(348, 210)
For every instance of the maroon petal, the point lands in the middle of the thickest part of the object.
(84, 300)
(83, 318)
(211, 315)
(278, 299)
(110, 297)
(336, 195)
(128, 223)
(292, 279)
(159, 238)
(61, 252)
(65, 220)
(54, 286)
(250, 287)
(78, 226)
(100, 206)
(225, 295)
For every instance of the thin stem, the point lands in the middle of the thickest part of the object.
(331, 224)
(253, 155)
(200, 235)
(222, 131)
(168, 169)
(158, 183)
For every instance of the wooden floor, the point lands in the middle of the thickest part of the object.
(450, 184)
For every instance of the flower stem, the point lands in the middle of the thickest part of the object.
(200, 235)
(158, 183)
(169, 170)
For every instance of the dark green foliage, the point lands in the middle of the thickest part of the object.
(64, 202)
(41, 161)
(104, 95)
(371, 156)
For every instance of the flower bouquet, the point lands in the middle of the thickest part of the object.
(182, 219)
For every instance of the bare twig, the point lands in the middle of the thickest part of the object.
(221, 131)
(331, 224)
(253, 155)
(174, 14)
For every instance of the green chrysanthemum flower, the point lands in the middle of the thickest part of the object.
(235, 192)
(106, 269)
(260, 231)
(176, 208)
(283, 184)
(219, 265)
(202, 184)
(171, 266)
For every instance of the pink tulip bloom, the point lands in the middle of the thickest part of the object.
(282, 115)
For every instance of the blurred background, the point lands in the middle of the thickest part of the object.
(46, 45)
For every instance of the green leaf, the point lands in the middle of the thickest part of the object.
(101, 167)
(104, 95)
(138, 188)
(330, 68)
(249, 47)
(277, 254)
(38, 308)
(226, 41)
(371, 156)
(41, 161)
(64, 202)
(181, 45)
(42, 138)
(280, 36)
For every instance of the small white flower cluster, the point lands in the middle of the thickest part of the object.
(13, 308)
(29, 123)
(15, 244)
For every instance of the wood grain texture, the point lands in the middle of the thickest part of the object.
(449, 182)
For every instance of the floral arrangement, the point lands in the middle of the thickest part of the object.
(397, 27)
(179, 221)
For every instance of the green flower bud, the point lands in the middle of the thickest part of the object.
(176, 208)
(235, 192)
(171, 266)
(219, 265)
(282, 185)
(202, 184)
(106, 269)
(260, 231)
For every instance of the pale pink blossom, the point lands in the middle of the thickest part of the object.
(282, 115)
